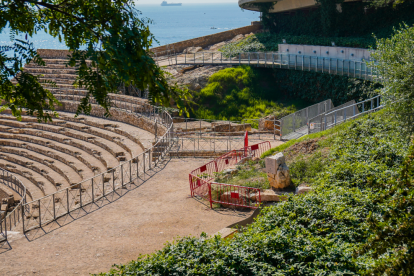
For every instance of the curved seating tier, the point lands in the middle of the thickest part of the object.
(52, 156)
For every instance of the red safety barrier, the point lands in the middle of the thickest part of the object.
(232, 195)
(201, 179)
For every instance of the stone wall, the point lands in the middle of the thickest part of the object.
(3, 194)
(203, 42)
(118, 115)
(53, 53)
(207, 40)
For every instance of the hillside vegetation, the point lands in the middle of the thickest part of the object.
(247, 93)
(318, 233)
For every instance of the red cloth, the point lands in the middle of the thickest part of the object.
(246, 140)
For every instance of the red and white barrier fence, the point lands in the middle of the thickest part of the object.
(202, 185)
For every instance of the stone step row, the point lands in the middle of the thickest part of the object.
(60, 127)
(45, 141)
(73, 159)
(47, 71)
(56, 166)
(51, 176)
(32, 182)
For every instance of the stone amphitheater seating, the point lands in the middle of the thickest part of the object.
(49, 157)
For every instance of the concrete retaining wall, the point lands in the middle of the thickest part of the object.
(207, 40)
(347, 53)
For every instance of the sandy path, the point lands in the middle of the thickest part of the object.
(140, 222)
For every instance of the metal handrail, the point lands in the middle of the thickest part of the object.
(355, 104)
(20, 189)
(155, 114)
(350, 67)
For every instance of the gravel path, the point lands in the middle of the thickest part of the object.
(139, 222)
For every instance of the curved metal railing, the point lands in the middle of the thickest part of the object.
(12, 219)
(345, 67)
(49, 208)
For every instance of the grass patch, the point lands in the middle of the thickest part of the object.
(250, 174)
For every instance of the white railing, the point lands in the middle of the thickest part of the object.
(352, 68)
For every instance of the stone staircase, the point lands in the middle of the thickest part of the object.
(58, 72)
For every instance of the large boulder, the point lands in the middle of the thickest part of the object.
(217, 46)
(267, 123)
(273, 162)
(303, 189)
(271, 196)
(237, 38)
(192, 50)
(277, 171)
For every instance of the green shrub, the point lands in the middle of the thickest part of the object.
(235, 94)
(313, 234)
(244, 92)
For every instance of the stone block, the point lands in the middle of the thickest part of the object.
(271, 196)
(303, 189)
(226, 127)
(281, 179)
(273, 162)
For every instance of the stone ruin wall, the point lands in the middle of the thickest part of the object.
(118, 115)
(3, 194)
(208, 40)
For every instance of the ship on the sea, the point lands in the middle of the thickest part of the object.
(164, 3)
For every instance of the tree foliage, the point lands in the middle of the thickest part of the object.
(392, 242)
(394, 61)
(109, 33)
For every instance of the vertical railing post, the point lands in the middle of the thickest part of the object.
(103, 185)
(93, 190)
(40, 215)
(54, 207)
(122, 175)
(303, 62)
(80, 195)
(113, 180)
(23, 205)
(130, 171)
(67, 199)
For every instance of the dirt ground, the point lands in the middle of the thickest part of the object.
(139, 222)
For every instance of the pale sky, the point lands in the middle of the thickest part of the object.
(158, 2)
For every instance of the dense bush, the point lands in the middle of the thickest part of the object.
(314, 234)
(235, 94)
(248, 93)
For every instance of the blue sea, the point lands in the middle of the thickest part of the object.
(170, 24)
